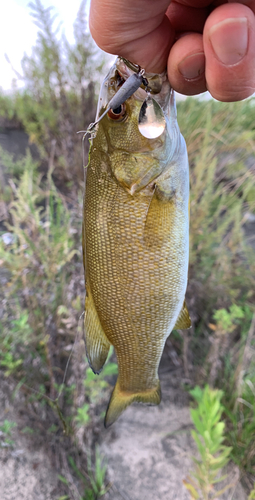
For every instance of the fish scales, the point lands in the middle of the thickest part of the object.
(136, 254)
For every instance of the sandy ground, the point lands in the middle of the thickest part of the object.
(149, 450)
(25, 472)
(148, 454)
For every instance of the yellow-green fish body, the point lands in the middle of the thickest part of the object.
(135, 243)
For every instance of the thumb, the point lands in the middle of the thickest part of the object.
(229, 46)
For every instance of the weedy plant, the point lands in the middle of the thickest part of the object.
(221, 194)
(239, 408)
(40, 258)
(36, 258)
(60, 82)
(241, 427)
(93, 479)
(208, 436)
(44, 283)
(95, 487)
(6, 432)
(220, 139)
(252, 494)
(226, 323)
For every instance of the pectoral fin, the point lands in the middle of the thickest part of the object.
(121, 400)
(96, 343)
(183, 320)
(159, 220)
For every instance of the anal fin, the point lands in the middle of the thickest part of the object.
(183, 320)
(121, 400)
(96, 343)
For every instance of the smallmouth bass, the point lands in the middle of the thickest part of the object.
(135, 239)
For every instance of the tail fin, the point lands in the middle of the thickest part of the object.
(121, 400)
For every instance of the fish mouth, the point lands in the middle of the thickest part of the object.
(127, 68)
(158, 84)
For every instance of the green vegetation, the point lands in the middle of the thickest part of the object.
(41, 271)
(222, 271)
(208, 437)
(93, 480)
(42, 298)
(252, 494)
(95, 477)
(41, 274)
(59, 97)
(5, 433)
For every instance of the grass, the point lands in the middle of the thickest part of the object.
(222, 270)
(41, 267)
(220, 139)
(39, 259)
(6, 432)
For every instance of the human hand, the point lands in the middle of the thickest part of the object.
(206, 45)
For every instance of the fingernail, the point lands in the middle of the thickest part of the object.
(229, 40)
(192, 66)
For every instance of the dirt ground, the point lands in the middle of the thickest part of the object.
(25, 470)
(148, 452)
(149, 449)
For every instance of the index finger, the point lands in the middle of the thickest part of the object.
(138, 30)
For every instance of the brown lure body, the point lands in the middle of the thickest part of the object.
(135, 242)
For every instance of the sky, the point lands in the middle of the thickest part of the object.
(18, 33)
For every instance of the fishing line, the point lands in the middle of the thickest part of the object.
(129, 87)
(69, 359)
(54, 402)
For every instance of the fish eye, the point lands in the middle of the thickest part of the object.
(117, 113)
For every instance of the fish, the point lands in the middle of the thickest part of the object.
(135, 238)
